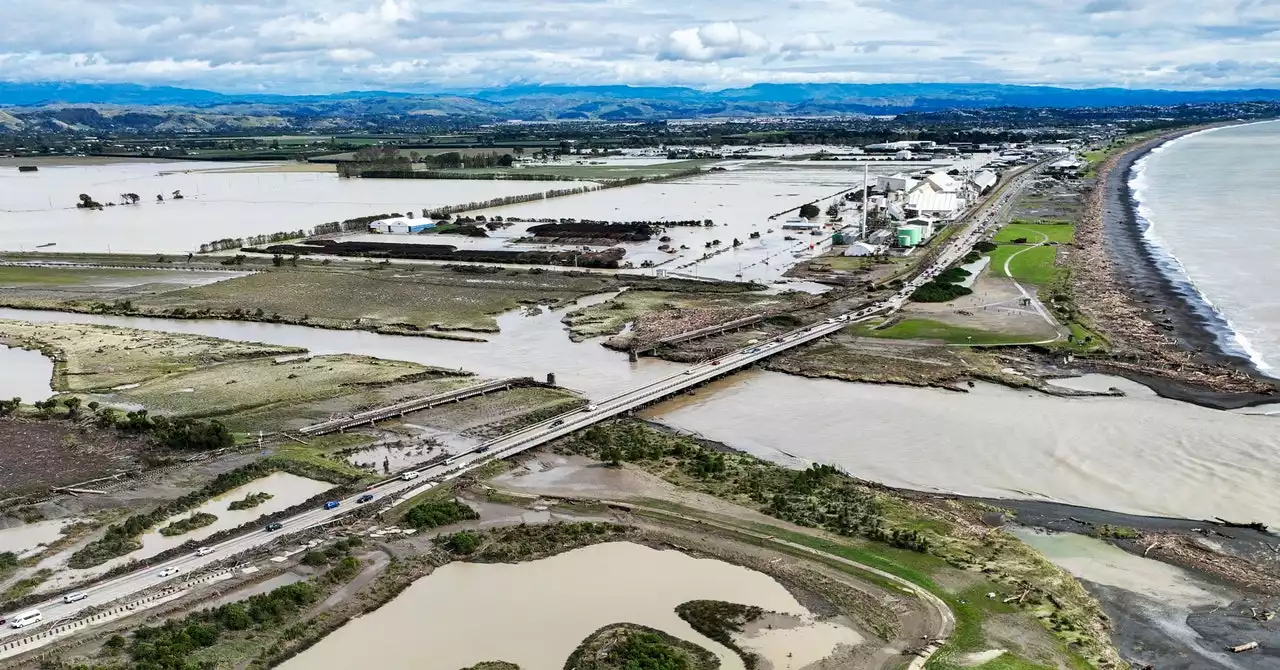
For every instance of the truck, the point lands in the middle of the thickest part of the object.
(332, 504)
(26, 619)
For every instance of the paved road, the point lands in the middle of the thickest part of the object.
(393, 490)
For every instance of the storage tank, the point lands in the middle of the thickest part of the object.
(909, 236)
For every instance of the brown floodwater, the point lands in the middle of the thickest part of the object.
(534, 614)
(1139, 454)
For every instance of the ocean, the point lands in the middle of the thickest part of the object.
(1210, 203)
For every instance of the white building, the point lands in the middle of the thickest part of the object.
(800, 223)
(926, 202)
(984, 180)
(896, 182)
(903, 155)
(862, 249)
(942, 183)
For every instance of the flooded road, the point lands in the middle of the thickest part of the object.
(1139, 454)
(535, 614)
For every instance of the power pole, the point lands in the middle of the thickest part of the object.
(862, 233)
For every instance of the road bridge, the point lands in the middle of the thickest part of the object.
(369, 417)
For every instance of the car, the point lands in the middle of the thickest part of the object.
(332, 504)
(557, 422)
(689, 371)
(410, 475)
(483, 449)
(167, 572)
(72, 597)
(752, 350)
(364, 498)
(589, 408)
(274, 526)
(204, 551)
(715, 362)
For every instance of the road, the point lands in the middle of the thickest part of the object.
(393, 490)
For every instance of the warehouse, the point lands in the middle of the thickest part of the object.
(400, 226)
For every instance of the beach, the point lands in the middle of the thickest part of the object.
(1161, 334)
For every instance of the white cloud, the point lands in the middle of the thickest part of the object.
(331, 45)
(712, 42)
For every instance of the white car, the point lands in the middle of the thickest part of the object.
(204, 551)
(590, 408)
(72, 597)
(167, 572)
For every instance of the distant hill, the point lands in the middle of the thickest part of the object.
(44, 105)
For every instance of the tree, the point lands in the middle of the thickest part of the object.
(73, 406)
(8, 407)
(277, 260)
(505, 161)
(275, 144)
(809, 211)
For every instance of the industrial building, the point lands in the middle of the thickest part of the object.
(400, 225)
(800, 223)
(863, 249)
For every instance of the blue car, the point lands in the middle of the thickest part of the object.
(331, 504)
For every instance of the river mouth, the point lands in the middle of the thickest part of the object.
(534, 614)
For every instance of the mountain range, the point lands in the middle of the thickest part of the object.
(62, 105)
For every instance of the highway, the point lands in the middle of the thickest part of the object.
(390, 491)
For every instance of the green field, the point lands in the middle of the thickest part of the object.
(1035, 266)
(386, 298)
(51, 276)
(927, 329)
(1061, 233)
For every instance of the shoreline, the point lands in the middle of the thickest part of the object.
(1163, 339)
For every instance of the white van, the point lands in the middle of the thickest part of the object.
(26, 619)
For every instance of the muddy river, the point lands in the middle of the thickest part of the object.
(535, 614)
(1139, 454)
(526, 346)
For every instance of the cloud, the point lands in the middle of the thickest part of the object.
(317, 46)
(712, 42)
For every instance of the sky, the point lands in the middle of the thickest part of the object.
(321, 46)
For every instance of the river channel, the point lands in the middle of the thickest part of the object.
(535, 614)
(1139, 454)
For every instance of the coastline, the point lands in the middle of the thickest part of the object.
(1162, 336)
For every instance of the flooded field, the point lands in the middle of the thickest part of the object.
(534, 614)
(28, 539)
(27, 374)
(286, 490)
(528, 345)
(1139, 454)
(39, 207)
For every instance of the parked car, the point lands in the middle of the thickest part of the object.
(364, 498)
(274, 525)
(204, 551)
(167, 572)
(72, 597)
(332, 504)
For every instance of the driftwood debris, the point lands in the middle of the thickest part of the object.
(1153, 546)
(1243, 647)
(1255, 525)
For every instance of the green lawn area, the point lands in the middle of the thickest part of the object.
(1062, 233)
(16, 276)
(926, 329)
(1035, 266)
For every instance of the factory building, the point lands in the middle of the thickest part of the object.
(399, 226)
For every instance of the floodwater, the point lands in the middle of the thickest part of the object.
(39, 207)
(28, 539)
(27, 374)
(286, 489)
(1139, 454)
(535, 614)
(1186, 191)
(526, 346)
(739, 201)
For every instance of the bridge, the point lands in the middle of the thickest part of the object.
(369, 417)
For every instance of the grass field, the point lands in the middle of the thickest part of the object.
(389, 297)
(245, 385)
(46, 276)
(1061, 233)
(926, 329)
(101, 357)
(1035, 266)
